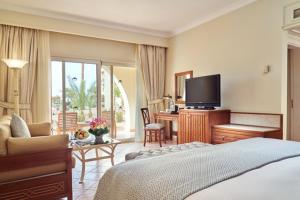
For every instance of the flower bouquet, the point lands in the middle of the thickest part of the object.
(98, 127)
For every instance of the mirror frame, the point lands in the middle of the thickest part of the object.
(176, 76)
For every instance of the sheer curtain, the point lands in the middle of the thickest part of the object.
(33, 46)
(151, 75)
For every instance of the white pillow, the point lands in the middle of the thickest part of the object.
(19, 127)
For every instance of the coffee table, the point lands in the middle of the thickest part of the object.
(80, 151)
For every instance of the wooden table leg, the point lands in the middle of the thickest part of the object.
(112, 154)
(169, 130)
(97, 154)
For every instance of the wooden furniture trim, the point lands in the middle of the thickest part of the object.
(24, 187)
(224, 135)
(146, 116)
(244, 130)
(166, 116)
(15, 162)
(236, 131)
(176, 85)
(48, 187)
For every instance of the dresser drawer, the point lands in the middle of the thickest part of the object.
(225, 135)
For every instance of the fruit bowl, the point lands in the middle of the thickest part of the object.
(81, 134)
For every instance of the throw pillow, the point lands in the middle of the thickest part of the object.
(19, 127)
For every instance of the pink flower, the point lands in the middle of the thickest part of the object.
(98, 123)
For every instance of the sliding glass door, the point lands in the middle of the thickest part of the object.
(106, 101)
(82, 90)
(74, 95)
(118, 101)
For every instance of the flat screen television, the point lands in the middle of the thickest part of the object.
(203, 92)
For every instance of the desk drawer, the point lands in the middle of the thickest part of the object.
(224, 135)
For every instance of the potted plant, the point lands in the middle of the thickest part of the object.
(98, 127)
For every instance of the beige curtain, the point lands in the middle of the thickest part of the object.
(33, 46)
(152, 61)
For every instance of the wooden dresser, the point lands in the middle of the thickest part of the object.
(196, 125)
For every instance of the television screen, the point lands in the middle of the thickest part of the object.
(203, 91)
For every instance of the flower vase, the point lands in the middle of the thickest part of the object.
(99, 139)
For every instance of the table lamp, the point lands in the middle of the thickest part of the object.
(16, 65)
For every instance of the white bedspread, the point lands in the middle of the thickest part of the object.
(276, 181)
(178, 175)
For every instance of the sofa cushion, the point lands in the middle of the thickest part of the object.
(19, 127)
(5, 133)
(40, 129)
(17, 146)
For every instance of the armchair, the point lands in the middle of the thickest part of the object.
(39, 167)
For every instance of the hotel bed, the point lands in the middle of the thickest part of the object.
(256, 169)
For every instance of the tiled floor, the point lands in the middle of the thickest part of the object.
(95, 169)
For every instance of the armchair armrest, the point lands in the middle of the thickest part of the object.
(40, 129)
(18, 146)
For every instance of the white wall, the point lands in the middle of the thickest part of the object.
(128, 77)
(238, 46)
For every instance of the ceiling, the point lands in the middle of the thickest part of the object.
(153, 17)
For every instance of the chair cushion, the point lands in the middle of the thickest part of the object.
(19, 127)
(154, 126)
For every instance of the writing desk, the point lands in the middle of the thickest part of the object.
(165, 116)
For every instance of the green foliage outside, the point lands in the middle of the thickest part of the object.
(80, 98)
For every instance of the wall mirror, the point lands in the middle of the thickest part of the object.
(180, 85)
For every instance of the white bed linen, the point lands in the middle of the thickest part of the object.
(276, 181)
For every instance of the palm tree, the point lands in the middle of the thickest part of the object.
(80, 97)
(91, 98)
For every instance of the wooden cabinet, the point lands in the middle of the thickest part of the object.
(196, 125)
(224, 135)
(232, 132)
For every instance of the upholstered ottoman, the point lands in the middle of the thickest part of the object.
(164, 150)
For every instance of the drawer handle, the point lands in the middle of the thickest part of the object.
(223, 138)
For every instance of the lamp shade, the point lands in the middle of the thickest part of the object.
(15, 63)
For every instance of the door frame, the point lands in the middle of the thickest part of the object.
(63, 60)
(111, 80)
(294, 41)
